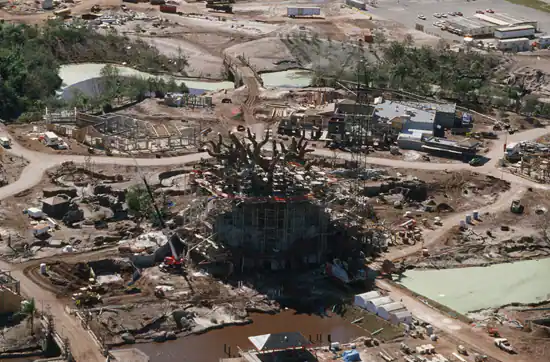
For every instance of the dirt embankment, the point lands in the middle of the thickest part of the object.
(495, 237)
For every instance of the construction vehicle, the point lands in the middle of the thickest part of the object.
(493, 332)
(480, 358)
(220, 5)
(516, 207)
(476, 161)
(504, 345)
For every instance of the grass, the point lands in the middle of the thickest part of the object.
(535, 4)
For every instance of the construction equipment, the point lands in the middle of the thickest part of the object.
(517, 207)
(493, 332)
(480, 358)
(476, 161)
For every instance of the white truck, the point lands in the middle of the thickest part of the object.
(504, 345)
(5, 141)
(293, 12)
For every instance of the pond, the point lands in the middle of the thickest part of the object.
(76, 73)
(293, 78)
(210, 346)
(469, 289)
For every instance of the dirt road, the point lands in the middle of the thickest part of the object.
(453, 327)
(82, 346)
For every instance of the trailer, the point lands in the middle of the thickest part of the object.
(172, 9)
(220, 6)
(509, 32)
(293, 12)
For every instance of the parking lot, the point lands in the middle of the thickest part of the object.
(406, 12)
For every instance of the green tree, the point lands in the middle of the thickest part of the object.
(141, 206)
(28, 308)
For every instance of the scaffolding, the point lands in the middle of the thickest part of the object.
(280, 233)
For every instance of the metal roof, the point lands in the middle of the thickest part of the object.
(390, 110)
(503, 18)
(517, 27)
(513, 40)
(468, 23)
(492, 20)
(278, 341)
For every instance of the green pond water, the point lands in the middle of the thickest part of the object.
(469, 289)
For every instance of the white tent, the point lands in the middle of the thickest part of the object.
(385, 310)
(373, 304)
(360, 300)
(401, 316)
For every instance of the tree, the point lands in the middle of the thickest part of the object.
(141, 206)
(29, 309)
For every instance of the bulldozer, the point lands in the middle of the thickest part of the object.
(516, 207)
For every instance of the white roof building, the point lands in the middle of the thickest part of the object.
(402, 316)
(385, 311)
(361, 300)
(374, 304)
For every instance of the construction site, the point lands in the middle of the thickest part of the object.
(119, 133)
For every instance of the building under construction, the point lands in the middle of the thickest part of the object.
(273, 210)
(118, 132)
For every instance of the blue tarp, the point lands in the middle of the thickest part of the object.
(351, 356)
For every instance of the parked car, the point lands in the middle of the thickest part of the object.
(480, 12)
(437, 15)
(490, 11)
(443, 15)
(421, 17)
(459, 13)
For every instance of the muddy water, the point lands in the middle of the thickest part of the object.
(208, 347)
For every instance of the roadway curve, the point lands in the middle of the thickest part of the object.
(85, 349)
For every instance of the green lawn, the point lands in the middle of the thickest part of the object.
(535, 4)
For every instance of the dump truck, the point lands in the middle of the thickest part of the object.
(293, 12)
(516, 207)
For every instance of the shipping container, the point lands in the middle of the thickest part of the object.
(168, 9)
(292, 12)
(524, 31)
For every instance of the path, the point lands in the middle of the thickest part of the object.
(453, 327)
(85, 349)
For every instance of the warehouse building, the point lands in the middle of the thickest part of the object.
(374, 304)
(385, 311)
(361, 300)
(514, 45)
(470, 27)
(519, 31)
(502, 19)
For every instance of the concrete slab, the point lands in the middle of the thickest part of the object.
(129, 355)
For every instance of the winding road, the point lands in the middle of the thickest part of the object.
(85, 349)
